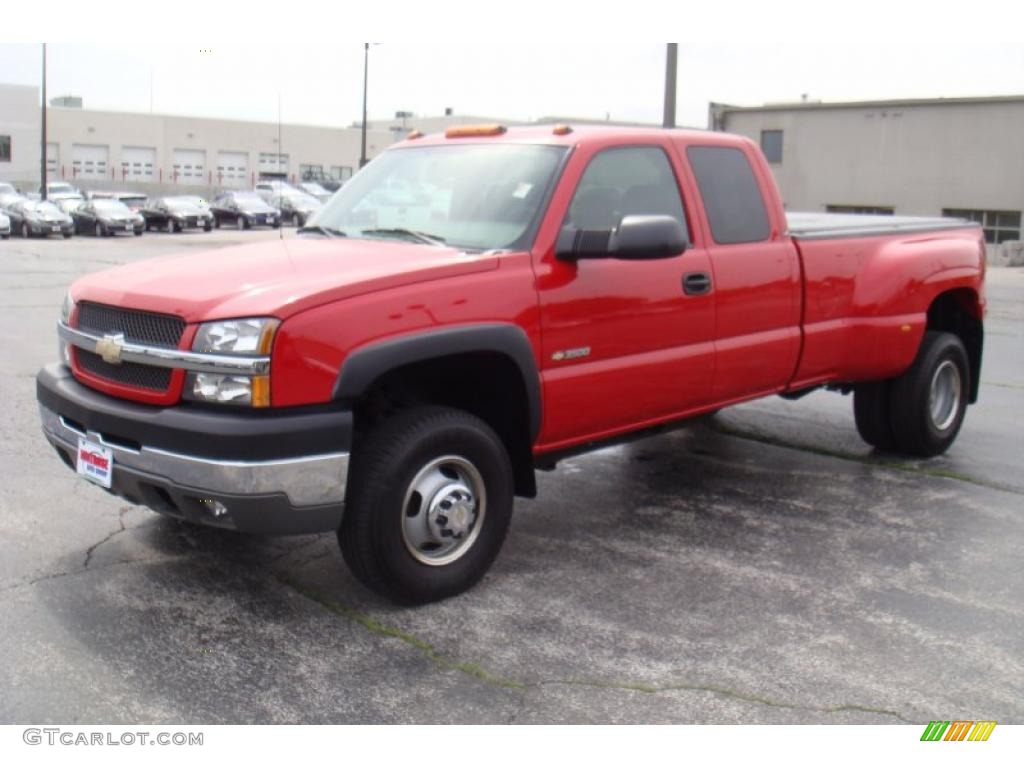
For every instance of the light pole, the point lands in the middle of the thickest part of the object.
(671, 55)
(42, 162)
(366, 68)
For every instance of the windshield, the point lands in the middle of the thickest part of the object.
(110, 206)
(250, 200)
(44, 207)
(59, 186)
(181, 203)
(301, 200)
(474, 196)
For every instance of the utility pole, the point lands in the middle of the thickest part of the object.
(671, 56)
(366, 66)
(42, 163)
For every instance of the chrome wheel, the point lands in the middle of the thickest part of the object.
(99, 229)
(443, 510)
(240, 222)
(944, 397)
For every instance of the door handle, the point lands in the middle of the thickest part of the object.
(696, 283)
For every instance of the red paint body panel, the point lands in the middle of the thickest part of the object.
(783, 314)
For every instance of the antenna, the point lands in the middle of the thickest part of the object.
(280, 157)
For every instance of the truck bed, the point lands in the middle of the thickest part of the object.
(823, 226)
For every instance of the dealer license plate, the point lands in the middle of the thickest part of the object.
(95, 463)
(55, 228)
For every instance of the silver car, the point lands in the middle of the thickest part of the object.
(296, 207)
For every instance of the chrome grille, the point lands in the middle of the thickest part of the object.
(138, 327)
(129, 374)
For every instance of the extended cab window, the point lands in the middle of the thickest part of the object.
(622, 182)
(732, 199)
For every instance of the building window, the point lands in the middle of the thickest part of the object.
(341, 172)
(5, 149)
(871, 210)
(771, 145)
(999, 226)
(311, 171)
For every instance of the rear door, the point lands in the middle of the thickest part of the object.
(756, 274)
(624, 346)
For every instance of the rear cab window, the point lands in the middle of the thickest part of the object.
(732, 197)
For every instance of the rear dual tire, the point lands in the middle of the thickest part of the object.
(919, 413)
(410, 475)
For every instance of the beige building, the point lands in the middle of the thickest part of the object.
(153, 153)
(961, 157)
(20, 135)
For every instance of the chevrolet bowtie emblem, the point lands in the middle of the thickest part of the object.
(109, 348)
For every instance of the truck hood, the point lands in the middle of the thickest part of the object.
(277, 278)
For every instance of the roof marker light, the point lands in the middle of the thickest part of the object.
(414, 135)
(462, 131)
(561, 130)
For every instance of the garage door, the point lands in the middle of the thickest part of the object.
(138, 163)
(89, 161)
(189, 166)
(233, 169)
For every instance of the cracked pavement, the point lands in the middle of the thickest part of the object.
(760, 566)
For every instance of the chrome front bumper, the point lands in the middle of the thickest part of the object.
(306, 481)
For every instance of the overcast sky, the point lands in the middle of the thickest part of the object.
(322, 84)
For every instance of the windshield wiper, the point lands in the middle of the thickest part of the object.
(423, 237)
(329, 231)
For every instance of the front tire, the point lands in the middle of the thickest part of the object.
(429, 504)
(928, 403)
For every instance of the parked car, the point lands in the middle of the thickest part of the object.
(8, 189)
(5, 225)
(399, 386)
(202, 203)
(296, 207)
(67, 202)
(39, 218)
(267, 189)
(106, 217)
(244, 210)
(134, 200)
(174, 214)
(319, 177)
(9, 198)
(60, 187)
(316, 190)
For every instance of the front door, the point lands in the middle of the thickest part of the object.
(625, 343)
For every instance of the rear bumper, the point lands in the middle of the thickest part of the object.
(275, 473)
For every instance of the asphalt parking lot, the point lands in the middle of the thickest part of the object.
(760, 566)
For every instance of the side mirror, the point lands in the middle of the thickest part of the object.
(636, 237)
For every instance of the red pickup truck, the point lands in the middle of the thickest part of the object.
(476, 305)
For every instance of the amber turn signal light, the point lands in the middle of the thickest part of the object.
(462, 131)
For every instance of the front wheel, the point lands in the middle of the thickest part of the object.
(99, 230)
(927, 404)
(25, 231)
(240, 223)
(429, 504)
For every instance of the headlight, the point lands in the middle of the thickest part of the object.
(63, 348)
(66, 308)
(254, 335)
(235, 390)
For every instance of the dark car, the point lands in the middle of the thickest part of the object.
(38, 218)
(296, 207)
(174, 214)
(106, 217)
(244, 210)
